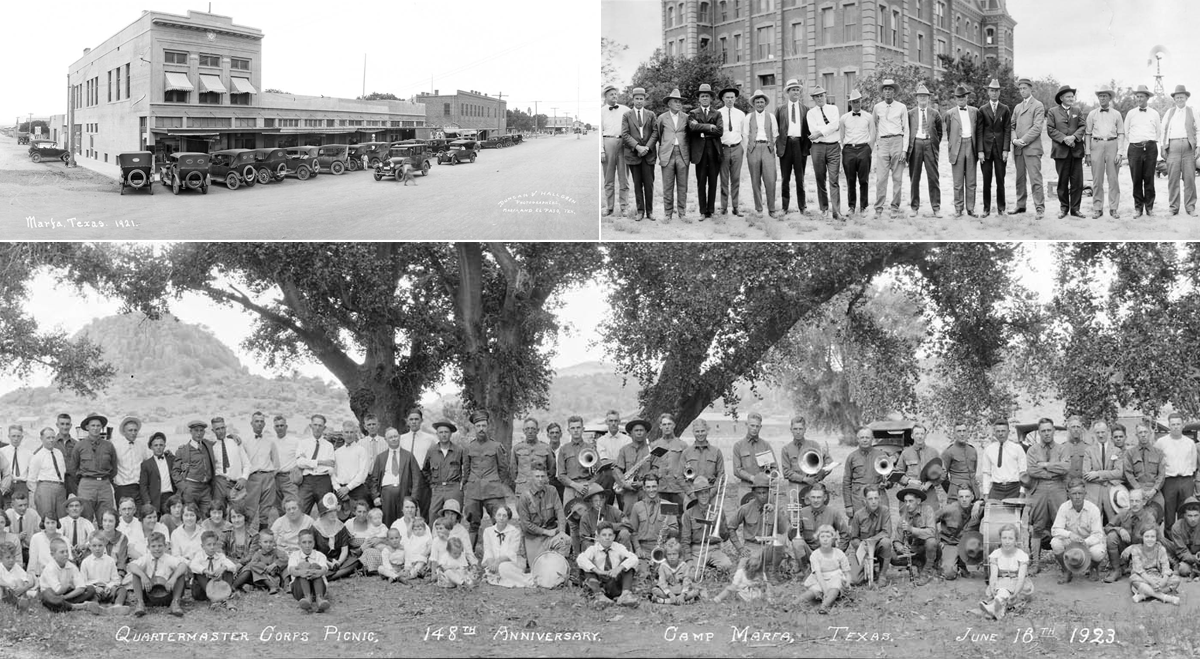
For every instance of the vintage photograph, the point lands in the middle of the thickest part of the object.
(834, 449)
(925, 119)
(297, 120)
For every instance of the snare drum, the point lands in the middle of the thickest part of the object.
(550, 569)
(995, 515)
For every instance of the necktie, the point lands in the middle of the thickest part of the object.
(154, 570)
(794, 114)
(612, 107)
(16, 465)
(224, 457)
(1103, 455)
(1000, 455)
(257, 436)
(316, 448)
(75, 532)
(922, 125)
(604, 560)
(823, 115)
(210, 564)
(729, 119)
(395, 463)
(54, 461)
(500, 537)
(21, 521)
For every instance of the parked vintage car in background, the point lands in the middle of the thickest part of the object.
(137, 168)
(186, 171)
(411, 153)
(41, 150)
(437, 146)
(302, 162)
(234, 167)
(376, 152)
(23, 137)
(272, 164)
(459, 151)
(334, 158)
(357, 151)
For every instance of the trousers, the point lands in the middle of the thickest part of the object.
(1142, 158)
(1104, 165)
(889, 158)
(856, 160)
(926, 155)
(731, 174)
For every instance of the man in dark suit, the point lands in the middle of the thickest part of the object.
(155, 481)
(793, 144)
(704, 126)
(394, 477)
(1065, 125)
(962, 140)
(995, 132)
(639, 133)
(924, 144)
(194, 469)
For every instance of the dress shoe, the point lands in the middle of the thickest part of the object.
(972, 213)
(139, 609)
(1001, 212)
(1040, 215)
(958, 213)
(736, 212)
(1137, 213)
(1174, 213)
(606, 213)
(1115, 215)
(839, 216)
(1078, 215)
(986, 213)
(724, 211)
(1019, 211)
(651, 217)
(1097, 215)
(1149, 212)
(1062, 214)
(176, 610)
(322, 605)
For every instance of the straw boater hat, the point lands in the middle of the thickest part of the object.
(1118, 498)
(855, 96)
(995, 84)
(1180, 89)
(919, 493)
(1076, 558)
(1142, 89)
(438, 424)
(704, 89)
(636, 91)
(88, 419)
(609, 88)
(888, 82)
(131, 419)
(758, 93)
(1063, 90)
(922, 89)
(970, 547)
(1105, 89)
(792, 82)
(673, 95)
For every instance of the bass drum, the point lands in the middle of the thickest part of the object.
(996, 515)
(550, 570)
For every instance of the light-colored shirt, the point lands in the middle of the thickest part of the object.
(16, 578)
(1009, 472)
(391, 477)
(134, 534)
(239, 461)
(610, 126)
(129, 460)
(286, 448)
(220, 563)
(1177, 129)
(824, 122)
(675, 118)
(761, 119)
(509, 547)
(376, 444)
(100, 571)
(185, 545)
(1179, 455)
(891, 119)
(298, 558)
(420, 442)
(42, 466)
(39, 553)
(1142, 125)
(162, 566)
(968, 127)
(304, 456)
(352, 464)
(416, 549)
(795, 110)
(1105, 125)
(596, 557)
(287, 537)
(164, 474)
(55, 577)
(857, 130)
(19, 469)
(608, 446)
(1084, 523)
(139, 545)
(76, 530)
(439, 551)
(731, 136)
(922, 123)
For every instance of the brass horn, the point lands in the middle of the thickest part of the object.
(811, 462)
(588, 458)
(690, 473)
(884, 466)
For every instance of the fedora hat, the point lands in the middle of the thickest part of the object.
(438, 424)
(218, 590)
(994, 84)
(1024, 81)
(596, 488)
(1076, 558)
(758, 93)
(673, 95)
(131, 419)
(1142, 89)
(636, 91)
(760, 480)
(855, 96)
(960, 91)
(451, 505)
(919, 493)
(1188, 504)
(1118, 498)
(792, 82)
(1180, 89)
(635, 423)
(922, 89)
(970, 547)
(196, 423)
(73, 499)
(735, 90)
(817, 91)
(887, 82)
(933, 471)
(88, 419)
(327, 503)
(1063, 90)
(575, 507)
(705, 89)
(1105, 89)
(609, 88)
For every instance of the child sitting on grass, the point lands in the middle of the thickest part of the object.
(17, 587)
(748, 583)
(208, 564)
(392, 567)
(308, 568)
(1009, 582)
(99, 571)
(452, 567)
(830, 571)
(1150, 575)
(416, 549)
(157, 568)
(674, 584)
(265, 567)
(62, 587)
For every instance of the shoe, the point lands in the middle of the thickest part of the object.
(1097, 215)
(950, 577)
(1040, 215)
(772, 215)
(322, 605)
(1062, 214)
(914, 213)
(1149, 212)
(1112, 577)
(1172, 599)
(988, 608)
(118, 610)
(139, 610)
(1094, 573)
(1001, 212)
(1079, 215)
(1137, 213)
(936, 213)
(1174, 213)
(1019, 211)
(823, 610)
(737, 213)
(650, 216)
(93, 608)
(607, 212)
(1138, 597)
(230, 606)
(306, 605)
(1065, 577)
(921, 579)
(959, 213)
(272, 590)
(986, 213)
(839, 216)
(971, 213)
(176, 610)
(724, 211)
(627, 599)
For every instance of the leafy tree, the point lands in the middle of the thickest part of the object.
(27, 127)
(609, 51)
(520, 121)
(1044, 90)
(275, 91)
(907, 77)
(377, 96)
(976, 75)
(663, 73)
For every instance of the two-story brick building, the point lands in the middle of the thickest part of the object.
(469, 109)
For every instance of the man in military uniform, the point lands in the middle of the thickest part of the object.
(703, 457)
(791, 458)
(812, 517)
(1048, 464)
(669, 466)
(916, 533)
(961, 461)
(756, 519)
(913, 460)
(955, 518)
(751, 454)
(542, 519)
(1184, 543)
(694, 529)
(529, 454)
(443, 468)
(646, 523)
(629, 484)
(574, 476)
(1144, 469)
(486, 469)
(1125, 530)
(599, 509)
(871, 525)
(860, 470)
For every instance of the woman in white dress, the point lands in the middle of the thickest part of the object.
(502, 563)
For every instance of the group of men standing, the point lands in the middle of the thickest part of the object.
(890, 136)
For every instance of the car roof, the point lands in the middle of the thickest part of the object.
(463, 142)
(180, 154)
(232, 151)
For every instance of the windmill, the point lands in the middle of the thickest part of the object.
(1157, 54)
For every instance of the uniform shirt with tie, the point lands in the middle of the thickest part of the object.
(526, 456)
(261, 453)
(539, 510)
(351, 465)
(1142, 125)
(16, 461)
(597, 557)
(913, 460)
(47, 466)
(610, 119)
(747, 461)
(735, 121)
(1003, 462)
(824, 122)
(1179, 455)
(891, 119)
(485, 468)
(309, 465)
(961, 462)
(754, 523)
(795, 119)
(231, 460)
(1144, 469)
(130, 455)
(856, 128)
(867, 524)
(646, 520)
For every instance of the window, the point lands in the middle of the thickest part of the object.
(210, 60)
(176, 96)
(920, 47)
(210, 98)
(765, 47)
(851, 78)
(245, 122)
(724, 50)
(175, 57)
(766, 80)
(329, 123)
(850, 33)
(395, 124)
(312, 123)
(724, 11)
(737, 47)
(990, 36)
(939, 15)
(797, 38)
(704, 17)
(827, 83)
(703, 48)
(168, 122)
(239, 99)
(826, 26)
(918, 8)
(355, 122)
(118, 83)
(446, 110)
(896, 28)
(110, 86)
(239, 64)
(737, 8)
(670, 17)
(941, 48)
(126, 81)
(882, 25)
(289, 123)
(210, 122)
(958, 25)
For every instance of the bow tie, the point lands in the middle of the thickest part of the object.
(1141, 109)
(856, 113)
(500, 535)
(1104, 109)
(612, 107)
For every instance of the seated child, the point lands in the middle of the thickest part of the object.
(830, 570)
(749, 582)
(440, 544)
(76, 528)
(62, 587)
(211, 563)
(157, 568)
(416, 549)
(39, 546)
(674, 584)
(6, 535)
(1009, 567)
(308, 568)
(1150, 574)
(452, 567)
(16, 586)
(392, 566)
(99, 571)
(368, 542)
(607, 568)
(453, 518)
(265, 567)
(24, 521)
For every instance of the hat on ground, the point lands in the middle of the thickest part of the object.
(609, 88)
(636, 91)
(1076, 558)
(792, 82)
(88, 419)
(196, 423)
(1024, 81)
(1063, 90)
(158, 588)
(673, 95)
(817, 91)
(1188, 504)
(1142, 89)
(758, 93)
(933, 471)
(131, 419)
(1105, 89)
(327, 503)
(922, 89)
(888, 82)
(735, 90)
(919, 493)
(480, 415)
(438, 424)
(218, 590)
(1118, 498)
(760, 481)
(635, 423)
(960, 91)
(994, 84)
(1180, 89)
(596, 488)
(451, 505)
(705, 89)
(970, 547)
(855, 96)
(701, 483)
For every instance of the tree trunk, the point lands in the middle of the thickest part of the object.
(480, 378)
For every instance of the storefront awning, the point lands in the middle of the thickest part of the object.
(316, 131)
(212, 84)
(178, 82)
(242, 86)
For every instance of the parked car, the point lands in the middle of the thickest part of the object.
(357, 151)
(459, 151)
(416, 155)
(235, 167)
(272, 164)
(186, 171)
(334, 158)
(518, 138)
(494, 142)
(376, 152)
(40, 150)
(23, 137)
(302, 162)
(437, 146)
(136, 169)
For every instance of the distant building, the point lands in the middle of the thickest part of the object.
(833, 43)
(465, 110)
(560, 124)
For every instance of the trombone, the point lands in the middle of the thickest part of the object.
(712, 520)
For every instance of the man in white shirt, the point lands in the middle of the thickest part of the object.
(793, 145)
(924, 147)
(14, 465)
(608, 445)
(732, 148)
(373, 441)
(1104, 142)
(891, 130)
(285, 446)
(47, 478)
(761, 127)
(857, 135)
(964, 145)
(262, 466)
(418, 442)
(1179, 463)
(611, 114)
(352, 464)
(130, 453)
(607, 568)
(1078, 520)
(230, 462)
(1142, 126)
(314, 457)
(823, 126)
(1179, 143)
(1001, 464)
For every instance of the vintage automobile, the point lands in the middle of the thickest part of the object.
(302, 162)
(459, 151)
(334, 158)
(494, 142)
(416, 155)
(186, 171)
(375, 152)
(437, 146)
(235, 167)
(136, 169)
(272, 164)
(357, 151)
(41, 150)
(23, 137)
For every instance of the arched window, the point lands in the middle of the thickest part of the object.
(670, 17)
(704, 17)
(990, 38)
(724, 11)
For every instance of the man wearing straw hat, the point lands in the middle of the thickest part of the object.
(823, 129)
(1142, 126)
(705, 144)
(995, 129)
(963, 142)
(1178, 141)
(1105, 131)
(638, 132)
(891, 129)
(793, 144)
(94, 463)
(1065, 125)
(611, 115)
(857, 134)
(733, 151)
(760, 137)
(924, 143)
(1028, 121)
(673, 155)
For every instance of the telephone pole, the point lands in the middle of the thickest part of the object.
(500, 116)
(535, 116)
(555, 111)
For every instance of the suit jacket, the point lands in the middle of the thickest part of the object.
(1062, 123)
(150, 483)
(954, 131)
(667, 134)
(994, 130)
(411, 480)
(783, 119)
(177, 470)
(1189, 124)
(635, 134)
(1028, 122)
(705, 128)
(936, 128)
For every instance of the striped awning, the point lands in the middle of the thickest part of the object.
(178, 82)
(242, 86)
(212, 84)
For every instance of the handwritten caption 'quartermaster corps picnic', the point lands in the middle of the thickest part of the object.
(331, 633)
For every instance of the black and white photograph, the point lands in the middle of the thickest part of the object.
(950, 119)
(278, 120)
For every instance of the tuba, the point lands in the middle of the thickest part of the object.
(811, 462)
(690, 474)
(884, 466)
(588, 458)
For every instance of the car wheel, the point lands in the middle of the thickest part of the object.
(302, 173)
(337, 168)
(472, 157)
(264, 176)
(373, 163)
(175, 186)
(281, 172)
(66, 158)
(232, 181)
(378, 176)
(425, 169)
(37, 157)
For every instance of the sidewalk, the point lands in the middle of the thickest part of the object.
(106, 169)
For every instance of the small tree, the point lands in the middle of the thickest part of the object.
(663, 73)
(609, 51)
(274, 91)
(907, 77)
(976, 76)
(378, 96)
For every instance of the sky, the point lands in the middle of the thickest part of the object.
(1107, 39)
(531, 50)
